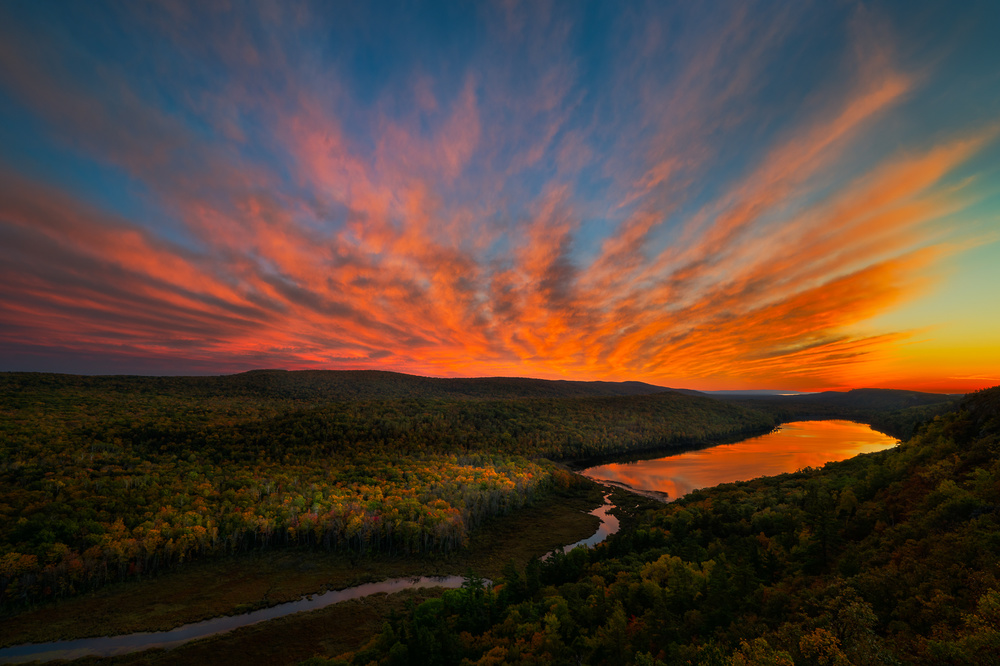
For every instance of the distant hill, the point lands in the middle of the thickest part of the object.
(759, 393)
(863, 398)
(334, 385)
(870, 398)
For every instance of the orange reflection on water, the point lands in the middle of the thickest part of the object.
(790, 448)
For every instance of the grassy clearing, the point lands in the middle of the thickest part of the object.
(210, 588)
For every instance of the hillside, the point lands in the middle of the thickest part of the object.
(869, 398)
(323, 386)
(886, 558)
(108, 478)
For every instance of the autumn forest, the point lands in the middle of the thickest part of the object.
(119, 480)
(110, 477)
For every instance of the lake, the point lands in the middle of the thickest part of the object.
(791, 447)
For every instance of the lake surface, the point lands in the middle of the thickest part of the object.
(790, 448)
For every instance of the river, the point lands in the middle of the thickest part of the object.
(791, 447)
(108, 646)
(609, 525)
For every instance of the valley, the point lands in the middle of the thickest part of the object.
(490, 465)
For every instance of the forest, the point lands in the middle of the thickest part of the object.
(110, 478)
(885, 558)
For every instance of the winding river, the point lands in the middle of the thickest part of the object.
(791, 447)
(609, 525)
(108, 646)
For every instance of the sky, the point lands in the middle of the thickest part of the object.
(710, 195)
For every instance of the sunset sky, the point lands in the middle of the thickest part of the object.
(717, 196)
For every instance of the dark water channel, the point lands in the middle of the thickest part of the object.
(609, 525)
(108, 646)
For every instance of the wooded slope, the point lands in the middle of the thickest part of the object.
(104, 478)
